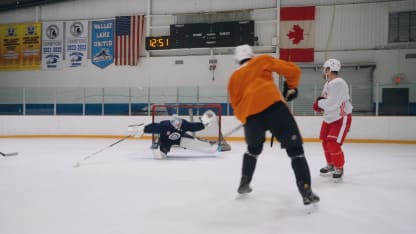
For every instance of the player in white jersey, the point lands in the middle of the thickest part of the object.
(336, 107)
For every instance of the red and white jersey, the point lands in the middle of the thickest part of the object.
(336, 103)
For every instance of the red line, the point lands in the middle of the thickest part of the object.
(297, 55)
(116, 53)
(123, 61)
(132, 40)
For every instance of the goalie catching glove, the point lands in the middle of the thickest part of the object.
(208, 118)
(136, 130)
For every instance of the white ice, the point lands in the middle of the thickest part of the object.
(122, 190)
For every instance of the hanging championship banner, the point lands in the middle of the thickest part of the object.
(76, 34)
(10, 43)
(20, 46)
(31, 45)
(102, 51)
(52, 45)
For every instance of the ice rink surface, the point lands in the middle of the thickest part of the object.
(123, 190)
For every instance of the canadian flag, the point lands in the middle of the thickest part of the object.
(297, 38)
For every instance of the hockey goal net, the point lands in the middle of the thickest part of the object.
(192, 112)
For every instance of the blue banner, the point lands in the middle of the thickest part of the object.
(102, 52)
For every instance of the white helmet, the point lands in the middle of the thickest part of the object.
(243, 52)
(176, 122)
(332, 64)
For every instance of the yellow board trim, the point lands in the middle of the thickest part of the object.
(375, 141)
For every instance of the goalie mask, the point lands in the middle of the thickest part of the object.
(176, 122)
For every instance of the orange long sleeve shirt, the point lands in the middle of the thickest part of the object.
(251, 87)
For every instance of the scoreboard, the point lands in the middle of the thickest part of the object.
(204, 35)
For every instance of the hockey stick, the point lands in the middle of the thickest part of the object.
(229, 133)
(135, 125)
(8, 154)
(226, 147)
(78, 164)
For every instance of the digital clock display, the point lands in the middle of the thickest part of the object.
(158, 43)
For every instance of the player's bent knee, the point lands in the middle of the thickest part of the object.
(296, 151)
(254, 151)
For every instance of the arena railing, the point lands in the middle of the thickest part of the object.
(378, 99)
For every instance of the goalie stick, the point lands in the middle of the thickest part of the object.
(8, 154)
(78, 164)
(227, 147)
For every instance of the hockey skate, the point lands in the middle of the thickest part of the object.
(310, 200)
(327, 170)
(337, 174)
(244, 187)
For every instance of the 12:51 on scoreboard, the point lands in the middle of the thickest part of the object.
(158, 43)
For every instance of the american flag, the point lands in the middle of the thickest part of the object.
(129, 34)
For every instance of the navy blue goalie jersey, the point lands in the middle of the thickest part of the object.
(168, 134)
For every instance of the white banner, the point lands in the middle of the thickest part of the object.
(76, 48)
(52, 45)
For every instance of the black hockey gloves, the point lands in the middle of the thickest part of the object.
(289, 93)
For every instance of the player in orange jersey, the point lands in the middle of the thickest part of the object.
(260, 106)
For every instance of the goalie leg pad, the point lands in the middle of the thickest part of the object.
(197, 145)
(158, 154)
(159, 151)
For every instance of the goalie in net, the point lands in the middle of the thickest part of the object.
(180, 132)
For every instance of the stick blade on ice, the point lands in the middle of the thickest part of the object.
(9, 154)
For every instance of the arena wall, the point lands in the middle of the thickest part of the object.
(364, 129)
